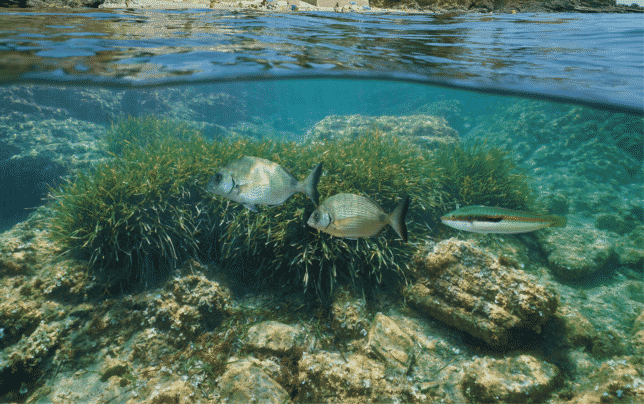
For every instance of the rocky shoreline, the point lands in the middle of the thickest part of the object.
(407, 6)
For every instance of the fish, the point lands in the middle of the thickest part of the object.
(484, 219)
(254, 181)
(354, 216)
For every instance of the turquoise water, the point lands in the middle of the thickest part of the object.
(561, 94)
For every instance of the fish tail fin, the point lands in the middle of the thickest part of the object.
(310, 184)
(558, 221)
(397, 218)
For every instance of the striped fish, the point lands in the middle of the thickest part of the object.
(483, 219)
(354, 216)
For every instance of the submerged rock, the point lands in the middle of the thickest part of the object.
(244, 382)
(577, 251)
(431, 131)
(354, 375)
(469, 289)
(349, 317)
(188, 306)
(519, 379)
(616, 381)
(113, 367)
(275, 338)
(638, 335)
(575, 328)
(388, 342)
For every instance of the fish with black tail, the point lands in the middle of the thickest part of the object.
(354, 216)
(483, 219)
(255, 181)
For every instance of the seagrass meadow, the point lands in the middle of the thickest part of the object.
(137, 216)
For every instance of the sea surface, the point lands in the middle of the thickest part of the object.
(562, 95)
(592, 58)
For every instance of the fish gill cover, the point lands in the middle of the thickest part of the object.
(147, 207)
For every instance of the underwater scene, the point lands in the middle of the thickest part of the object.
(334, 238)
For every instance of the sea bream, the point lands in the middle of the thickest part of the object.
(354, 216)
(255, 181)
(483, 219)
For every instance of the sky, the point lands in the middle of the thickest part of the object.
(629, 2)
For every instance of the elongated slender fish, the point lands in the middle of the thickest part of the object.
(354, 216)
(256, 181)
(483, 219)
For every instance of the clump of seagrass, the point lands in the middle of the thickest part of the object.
(143, 131)
(147, 209)
(144, 210)
(477, 174)
(285, 251)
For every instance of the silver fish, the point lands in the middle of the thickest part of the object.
(255, 181)
(354, 216)
(483, 219)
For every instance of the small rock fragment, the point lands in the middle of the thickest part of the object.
(349, 316)
(638, 334)
(274, 337)
(387, 341)
(179, 392)
(113, 367)
(244, 383)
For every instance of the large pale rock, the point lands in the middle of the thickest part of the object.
(469, 289)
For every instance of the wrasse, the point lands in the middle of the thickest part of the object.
(483, 219)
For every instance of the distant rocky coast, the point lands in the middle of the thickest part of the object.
(412, 6)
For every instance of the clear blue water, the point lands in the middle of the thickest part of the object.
(561, 93)
(591, 58)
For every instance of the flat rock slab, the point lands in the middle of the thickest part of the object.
(467, 288)
(518, 379)
(387, 341)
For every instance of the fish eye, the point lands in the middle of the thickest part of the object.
(316, 216)
(218, 177)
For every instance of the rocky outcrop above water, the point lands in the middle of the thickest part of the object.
(500, 6)
(510, 6)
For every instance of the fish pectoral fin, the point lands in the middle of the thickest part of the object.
(340, 223)
(251, 207)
